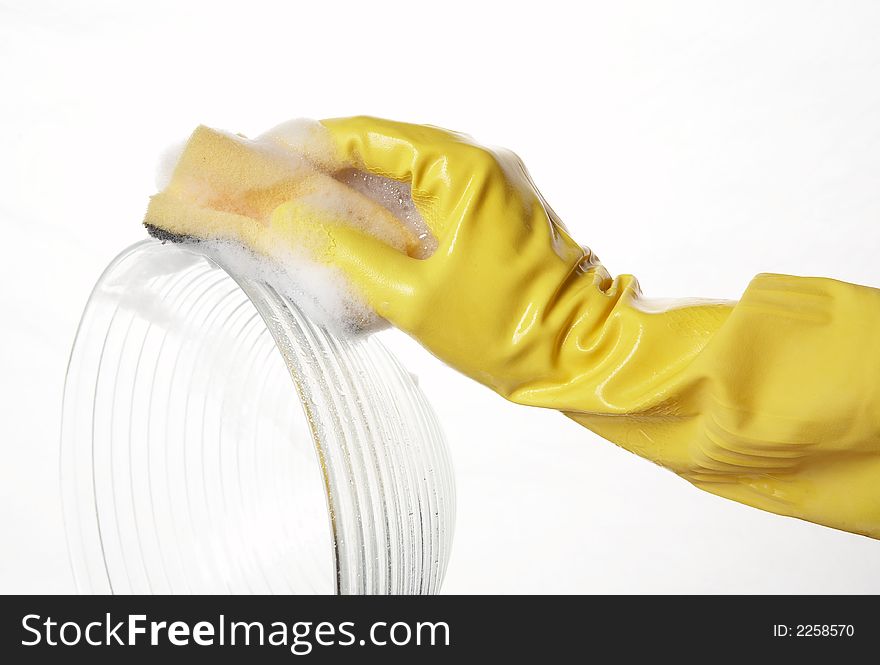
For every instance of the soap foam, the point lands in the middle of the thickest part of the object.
(320, 291)
(306, 137)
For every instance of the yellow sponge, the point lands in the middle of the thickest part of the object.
(226, 187)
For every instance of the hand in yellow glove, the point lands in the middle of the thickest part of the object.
(773, 401)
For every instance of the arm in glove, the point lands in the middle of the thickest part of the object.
(773, 401)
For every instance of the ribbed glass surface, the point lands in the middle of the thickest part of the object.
(215, 440)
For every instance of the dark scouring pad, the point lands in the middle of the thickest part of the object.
(168, 236)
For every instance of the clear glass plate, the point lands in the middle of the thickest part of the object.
(214, 440)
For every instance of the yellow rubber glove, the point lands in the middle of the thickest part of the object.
(773, 401)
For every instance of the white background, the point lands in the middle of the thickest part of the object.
(692, 144)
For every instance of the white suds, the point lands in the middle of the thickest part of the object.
(306, 137)
(319, 290)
